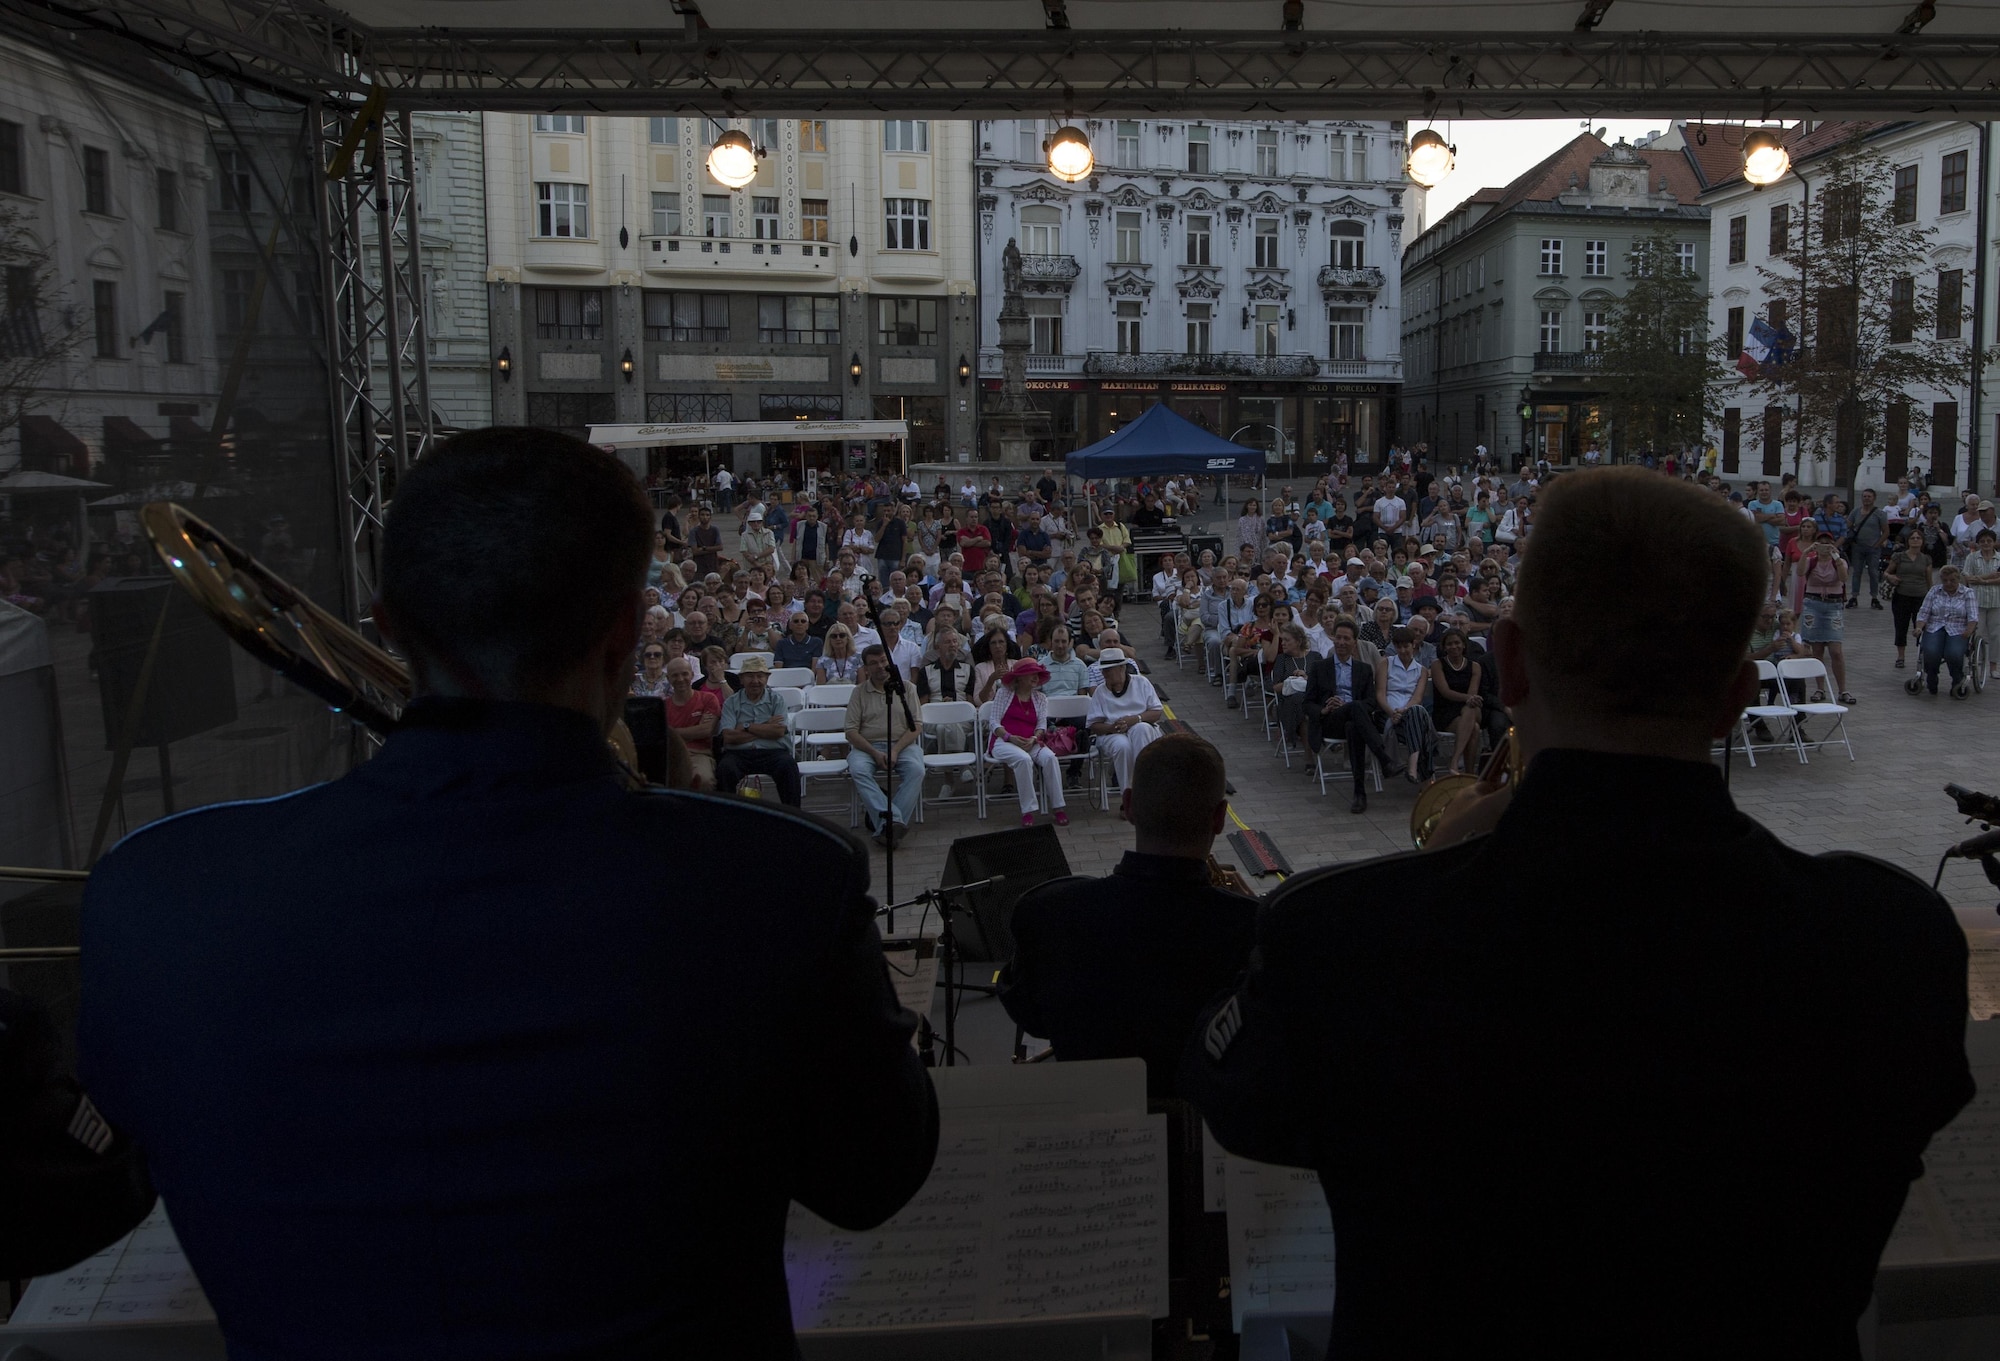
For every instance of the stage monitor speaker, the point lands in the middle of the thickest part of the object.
(1197, 542)
(646, 720)
(1026, 856)
(193, 687)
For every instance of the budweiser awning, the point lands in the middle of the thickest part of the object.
(126, 438)
(47, 447)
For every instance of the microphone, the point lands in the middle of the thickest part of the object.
(1974, 847)
(1974, 804)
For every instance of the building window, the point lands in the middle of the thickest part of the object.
(1552, 331)
(812, 219)
(715, 215)
(174, 310)
(1732, 440)
(909, 223)
(232, 181)
(687, 316)
(1902, 309)
(666, 213)
(1357, 158)
(1125, 236)
(1781, 228)
(1739, 238)
(1027, 140)
(1732, 333)
(764, 218)
(571, 412)
(1951, 184)
(1336, 155)
(1840, 212)
(798, 320)
(906, 134)
(1198, 227)
(1200, 321)
(794, 406)
(1950, 303)
(238, 285)
(559, 122)
(1045, 326)
(690, 406)
(104, 317)
(1197, 152)
(1687, 340)
(663, 131)
(1903, 201)
(1041, 230)
(1552, 255)
(96, 180)
(1267, 242)
(1126, 316)
(1944, 444)
(562, 210)
(1684, 256)
(167, 199)
(909, 321)
(1594, 331)
(1347, 245)
(1128, 144)
(768, 132)
(1596, 258)
(13, 167)
(1345, 331)
(1267, 153)
(812, 134)
(569, 313)
(1264, 328)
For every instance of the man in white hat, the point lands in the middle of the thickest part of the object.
(758, 546)
(1124, 713)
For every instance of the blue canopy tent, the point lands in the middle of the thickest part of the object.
(1161, 442)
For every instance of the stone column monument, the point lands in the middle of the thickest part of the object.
(1015, 421)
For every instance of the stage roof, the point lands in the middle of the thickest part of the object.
(1044, 58)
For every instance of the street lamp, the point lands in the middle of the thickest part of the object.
(504, 363)
(854, 368)
(964, 371)
(625, 364)
(1431, 158)
(1069, 154)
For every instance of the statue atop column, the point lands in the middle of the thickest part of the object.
(1013, 416)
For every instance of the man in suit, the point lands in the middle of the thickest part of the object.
(1613, 1072)
(455, 1055)
(1119, 967)
(1339, 704)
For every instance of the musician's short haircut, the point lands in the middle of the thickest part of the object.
(509, 552)
(1678, 661)
(1176, 783)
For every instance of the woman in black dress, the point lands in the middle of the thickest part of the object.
(1457, 707)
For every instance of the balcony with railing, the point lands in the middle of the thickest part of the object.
(1044, 272)
(1573, 361)
(1363, 278)
(1377, 370)
(1039, 365)
(1162, 364)
(737, 255)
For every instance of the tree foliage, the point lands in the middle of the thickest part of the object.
(40, 329)
(1658, 359)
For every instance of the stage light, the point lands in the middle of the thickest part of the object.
(1431, 159)
(1765, 159)
(732, 161)
(1070, 157)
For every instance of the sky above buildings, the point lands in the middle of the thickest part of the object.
(1491, 152)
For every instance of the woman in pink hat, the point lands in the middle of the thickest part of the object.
(1017, 720)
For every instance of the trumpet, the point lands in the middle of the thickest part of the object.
(1435, 797)
(281, 627)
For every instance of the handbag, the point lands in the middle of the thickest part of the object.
(1060, 740)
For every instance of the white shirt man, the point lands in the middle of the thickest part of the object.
(1390, 512)
(1117, 722)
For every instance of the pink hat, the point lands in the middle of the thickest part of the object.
(1027, 667)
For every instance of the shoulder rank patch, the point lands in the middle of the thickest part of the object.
(1222, 1027)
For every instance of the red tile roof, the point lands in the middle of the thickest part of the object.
(1715, 150)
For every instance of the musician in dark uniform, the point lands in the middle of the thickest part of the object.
(468, 1053)
(1120, 967)
(1615, 1072)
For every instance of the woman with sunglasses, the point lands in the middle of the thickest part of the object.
(838, 664)
(651, 679)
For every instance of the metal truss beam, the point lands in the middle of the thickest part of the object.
(379, 377)
(309, 49)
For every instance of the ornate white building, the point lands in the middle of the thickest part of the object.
(1244, 273)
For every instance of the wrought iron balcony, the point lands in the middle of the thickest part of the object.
(1576, 361)
(1170, 365)
(1340, 276)
(1049, 269)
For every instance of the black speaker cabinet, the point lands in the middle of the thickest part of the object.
(192, 689)
(1212, 542)
(1027, 856)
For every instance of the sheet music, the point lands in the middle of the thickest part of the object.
(141, 1278)
(1280, 1240)
(1016, 1221)
(1982, 974)
(1952, 1212)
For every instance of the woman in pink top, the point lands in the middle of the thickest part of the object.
(1017, 720)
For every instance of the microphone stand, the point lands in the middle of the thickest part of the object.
(891, 684)
(947, 952)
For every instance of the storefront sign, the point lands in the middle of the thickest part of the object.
(1349, 389)
(1198, 387)
(1055, 385)
(1128, 387)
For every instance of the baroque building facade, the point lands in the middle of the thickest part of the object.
(626, 285)
(1243, 273)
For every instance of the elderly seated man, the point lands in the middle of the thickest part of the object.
(1125, 712)
(881, 734)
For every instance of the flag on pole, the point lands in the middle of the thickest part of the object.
(1764, 347)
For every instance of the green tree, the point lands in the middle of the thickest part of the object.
(1658, 360)
(1858, 293)
(40, 329)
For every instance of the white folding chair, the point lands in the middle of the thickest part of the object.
(737, 659)
(941, 713)
(1267, 698)
(1292, 685)
(1322, 774)
(1813, 671)
(1780, 713)
(810, 729)
(1077, 707)
(829, 696)
(800, 677)
(793, 695)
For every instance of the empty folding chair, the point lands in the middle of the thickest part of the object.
(737, 659)
(829, 696)
(948, 713)
(1778, 718)
(819, 746)
(1813, 671)
(799, 676)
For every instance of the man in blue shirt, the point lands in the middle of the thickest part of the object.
(754, 740)
(1768, 513)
